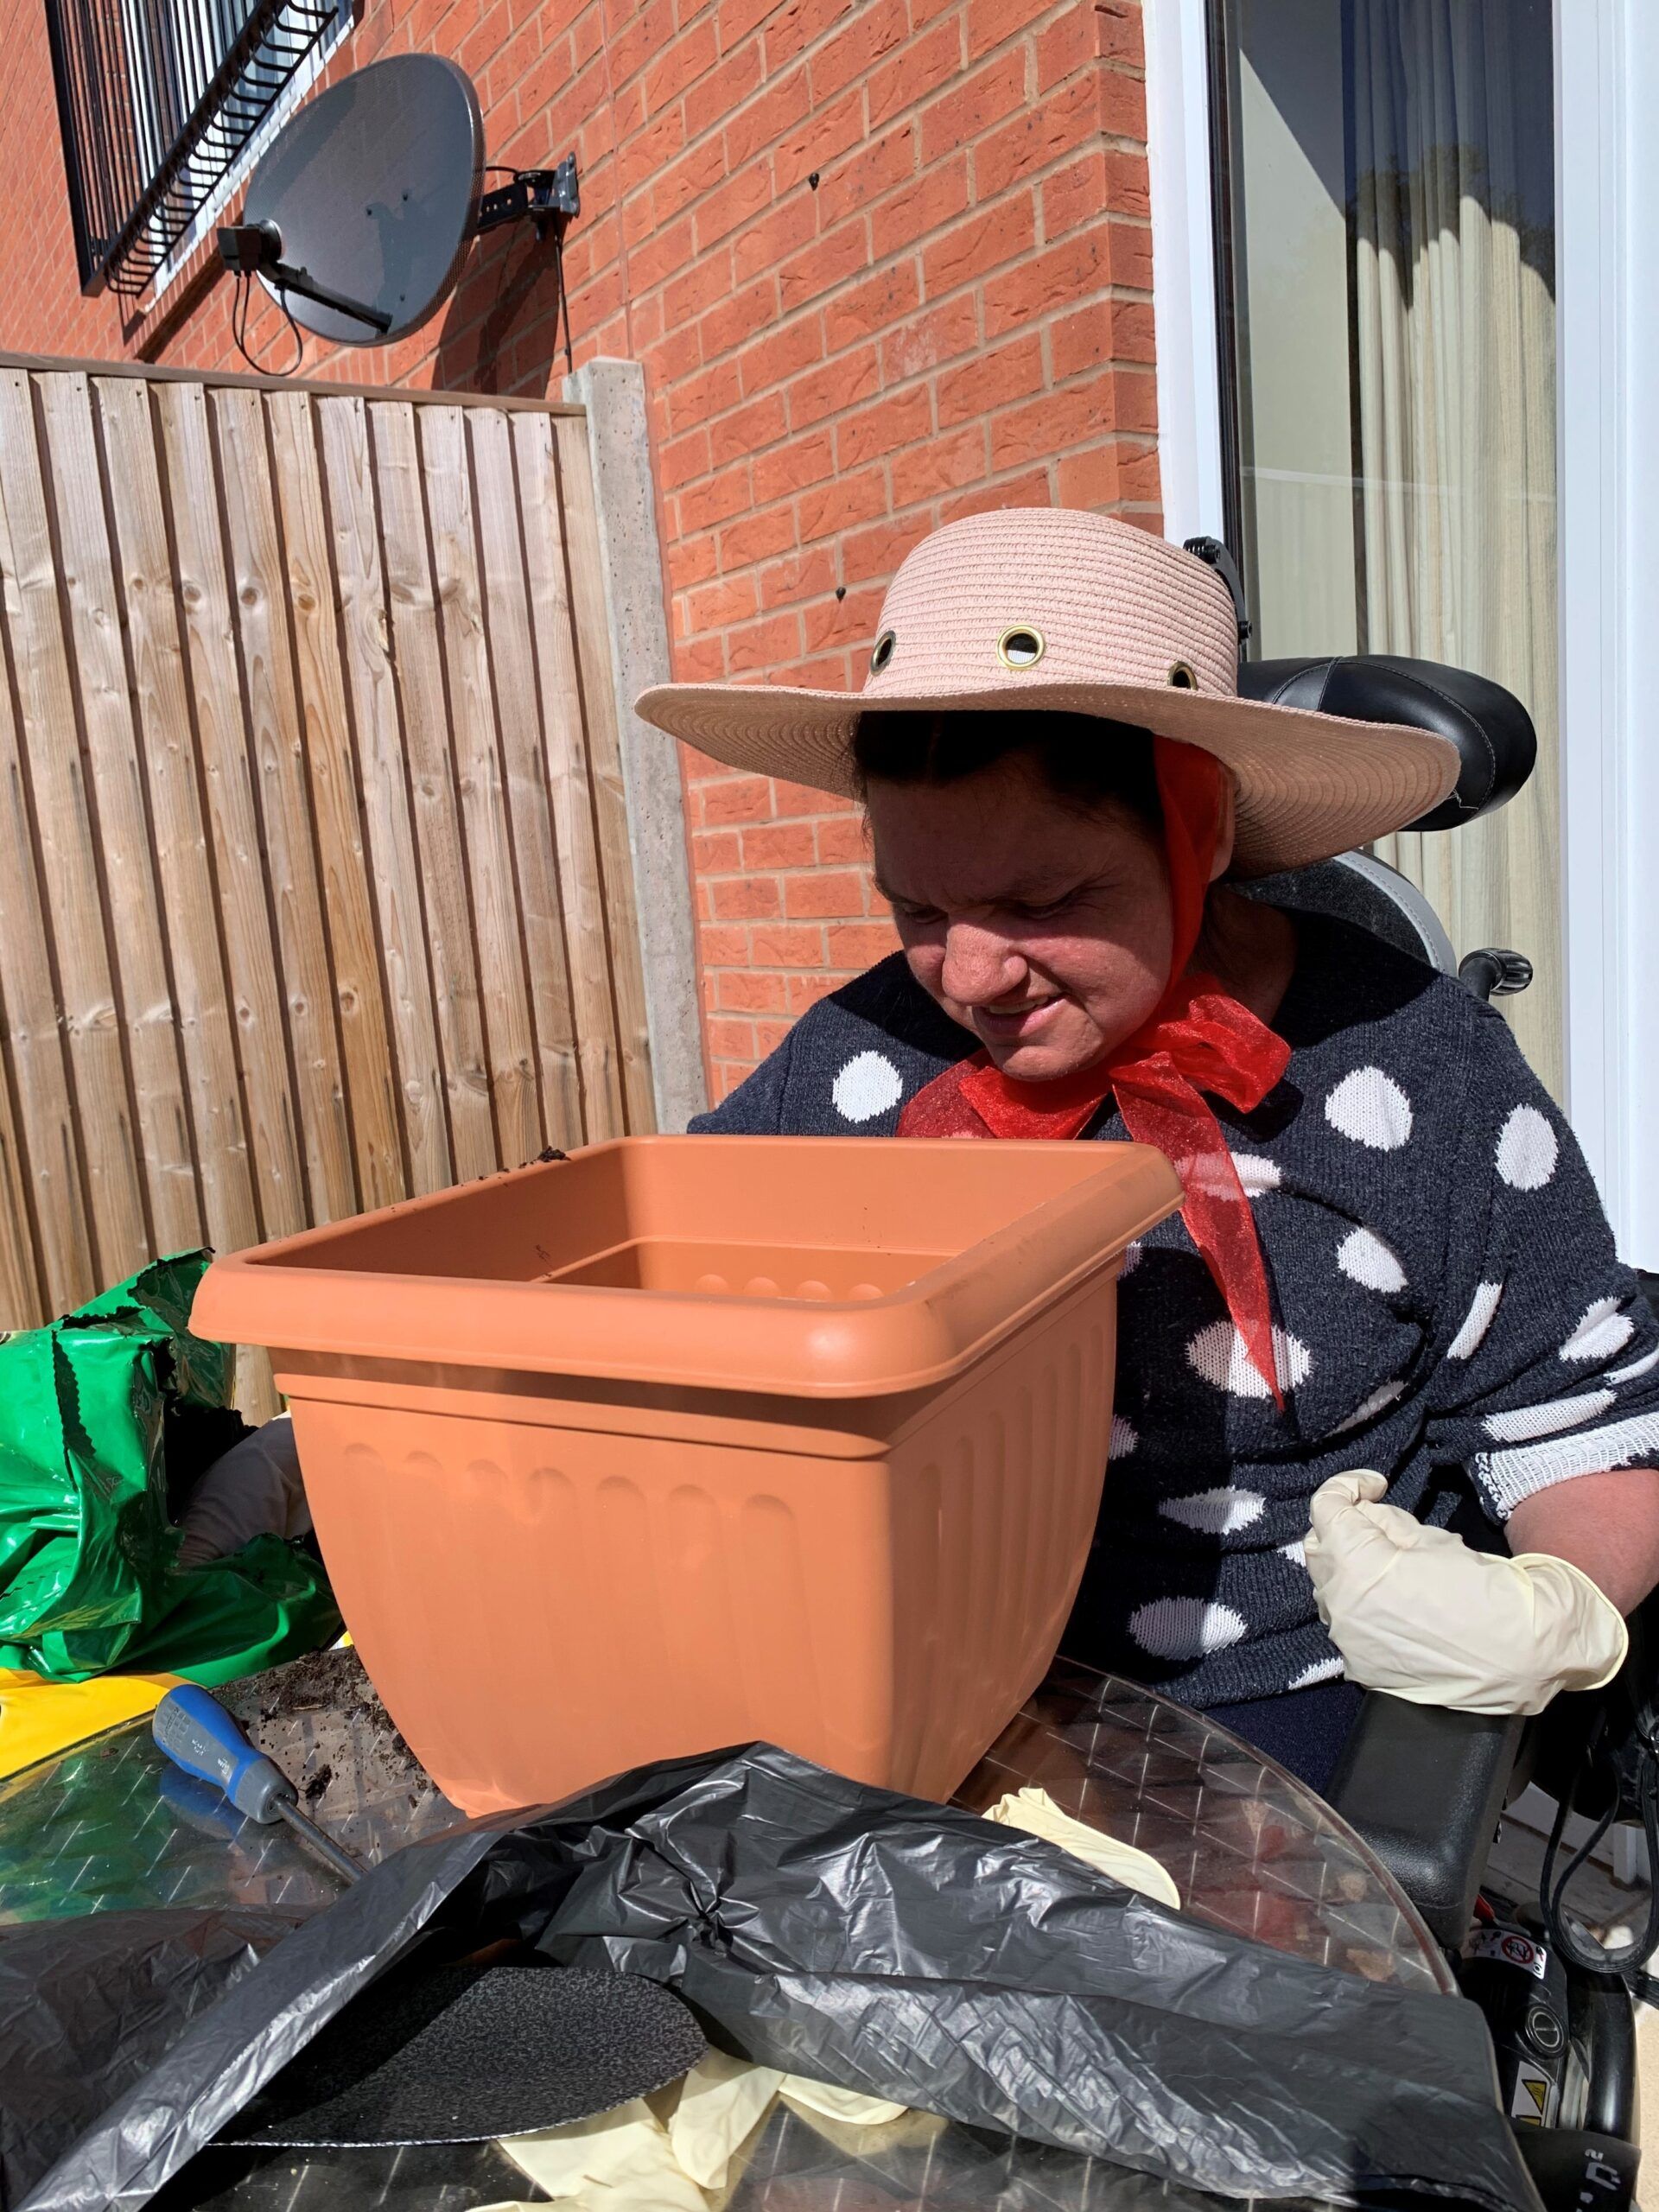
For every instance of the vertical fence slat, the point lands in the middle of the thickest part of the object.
(349, 469)
(87, 580)
(605, 759)
(59, 1234)
(68, 859)
(278, 750)
(580, 887)
(505, 1002)
(426, 722)
(513, 660)
(369, 1076)
(20, 1290)
(244, 919)
(189, 901)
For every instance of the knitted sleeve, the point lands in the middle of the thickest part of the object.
(1549, 1358)
(755, 1109)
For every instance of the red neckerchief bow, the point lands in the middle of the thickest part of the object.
(1197, 1039)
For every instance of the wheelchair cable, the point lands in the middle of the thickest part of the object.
(1630, 1961)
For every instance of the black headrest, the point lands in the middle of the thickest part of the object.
(1489, 727)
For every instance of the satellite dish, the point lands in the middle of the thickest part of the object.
(358, 218)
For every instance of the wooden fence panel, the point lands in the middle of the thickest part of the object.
(604, 758)
(137, 943)
(162, 695)
(394, 862)
(512, 652)
(69, 874)
(503, 1001)
(347, 908)
(314, 886)
(582, 886)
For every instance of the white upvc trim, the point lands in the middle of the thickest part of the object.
(1607, 337)
(1183, 268)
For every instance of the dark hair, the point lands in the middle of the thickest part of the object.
(1092, 762)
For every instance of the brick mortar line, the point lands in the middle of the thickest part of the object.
(915, 509)
(1050, 387)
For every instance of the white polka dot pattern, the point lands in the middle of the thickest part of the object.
(1527, 1150)
(1219, 1354)
(1645, 1365)
(1296, 1552)
(1256, 1175)
(1370, 1108)
(1219, 1512)
(1322, 1671)
(1483, 1311)
(1185, 1628)
(1125, 1436)
(1522, 1422)
(1131, 1259)
(867, 1086)
(1366, 1260)
(1603, 1329)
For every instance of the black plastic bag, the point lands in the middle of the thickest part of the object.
(88, 2006)
(902, 1949)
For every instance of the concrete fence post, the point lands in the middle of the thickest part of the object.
(613, 394)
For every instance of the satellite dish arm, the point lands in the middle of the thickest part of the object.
(255, 250)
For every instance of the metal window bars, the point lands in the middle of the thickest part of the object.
(157, 101)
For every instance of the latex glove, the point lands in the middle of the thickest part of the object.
(1414, 1611)
(254, 1490)
(621, 2161)
(632, 2161)
(1035, 1811)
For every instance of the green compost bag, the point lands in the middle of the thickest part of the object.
(90, 1407)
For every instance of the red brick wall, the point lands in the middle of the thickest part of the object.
(885, 261)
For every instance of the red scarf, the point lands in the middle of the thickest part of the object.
(1197, 1039)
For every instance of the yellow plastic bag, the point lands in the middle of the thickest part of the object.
(38, 1719)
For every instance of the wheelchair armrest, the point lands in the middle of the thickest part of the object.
(1425, 1788)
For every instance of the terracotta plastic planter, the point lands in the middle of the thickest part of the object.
(688, 1440)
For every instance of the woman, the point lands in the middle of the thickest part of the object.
(1390, 1252)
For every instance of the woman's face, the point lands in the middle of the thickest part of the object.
(1043, 928)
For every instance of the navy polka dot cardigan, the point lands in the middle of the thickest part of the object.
(1448, 1302)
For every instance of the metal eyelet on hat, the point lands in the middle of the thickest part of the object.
(1182, 676)
(882, 652)
(1022, 646)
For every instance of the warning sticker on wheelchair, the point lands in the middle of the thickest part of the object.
(1513, 1950)
(1533, 2103)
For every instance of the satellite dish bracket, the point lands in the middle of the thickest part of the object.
(548, 197)
(255, 250)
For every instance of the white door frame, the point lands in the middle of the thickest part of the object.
(1607, 327)
(1184, 269)
(1607, 340)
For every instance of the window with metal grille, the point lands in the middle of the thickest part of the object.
(158, 103)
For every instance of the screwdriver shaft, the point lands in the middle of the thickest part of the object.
(323, 1845)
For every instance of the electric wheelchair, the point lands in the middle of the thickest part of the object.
(1426, 1788)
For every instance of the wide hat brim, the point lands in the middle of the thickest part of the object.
(1308, 786)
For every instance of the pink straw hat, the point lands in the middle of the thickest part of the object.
(1057, 611)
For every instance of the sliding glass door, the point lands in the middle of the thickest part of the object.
(1385, 184)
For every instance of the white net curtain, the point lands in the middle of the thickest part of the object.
(1453, 337)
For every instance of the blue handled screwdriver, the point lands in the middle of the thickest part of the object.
(200, 1737)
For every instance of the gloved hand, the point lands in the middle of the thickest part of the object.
(1414, 1611)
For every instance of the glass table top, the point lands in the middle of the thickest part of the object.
(109, 1825)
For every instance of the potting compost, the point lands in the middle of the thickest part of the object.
(904, 1950)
